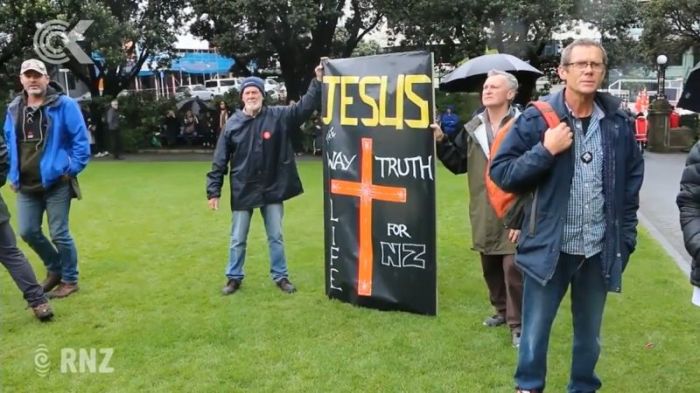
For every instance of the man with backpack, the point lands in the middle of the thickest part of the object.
(579, 226)
(470, 150)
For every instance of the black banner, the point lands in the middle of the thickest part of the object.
(379, 181)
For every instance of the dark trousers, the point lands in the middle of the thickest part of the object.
(100, 141)
(505, 283)
(116, 136)
(18, 266)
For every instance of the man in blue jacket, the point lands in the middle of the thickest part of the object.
(583, 177)
(257, 141)
(449, 121)
(47, 147)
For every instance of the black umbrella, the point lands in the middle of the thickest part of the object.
(195, 104)
(471, 75)
(690, 98)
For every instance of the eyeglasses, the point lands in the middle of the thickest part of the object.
(582, 65)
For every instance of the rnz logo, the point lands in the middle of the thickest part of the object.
(86, 360)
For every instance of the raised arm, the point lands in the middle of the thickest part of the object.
(301, 111)
(452, 153)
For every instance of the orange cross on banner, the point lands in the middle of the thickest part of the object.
(367, 192)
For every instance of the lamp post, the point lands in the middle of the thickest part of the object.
(661, 61)
(658, 135)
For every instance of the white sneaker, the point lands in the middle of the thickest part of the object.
(105, 153)
(99, 155)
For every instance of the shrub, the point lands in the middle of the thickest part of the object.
(464, 103)
(142, 117)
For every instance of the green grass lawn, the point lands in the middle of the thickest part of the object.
(151, 260)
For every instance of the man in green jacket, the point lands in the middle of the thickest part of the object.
(470, 150)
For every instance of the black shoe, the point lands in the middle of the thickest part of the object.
(285, 285)
(231, 286)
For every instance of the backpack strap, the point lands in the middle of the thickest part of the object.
(548, 113)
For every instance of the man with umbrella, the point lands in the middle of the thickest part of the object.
(471, 75)
(470, 150)
(580, 227)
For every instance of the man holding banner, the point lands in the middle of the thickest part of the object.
(258, 143)
(470, 150)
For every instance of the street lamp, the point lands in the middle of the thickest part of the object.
(661, 60)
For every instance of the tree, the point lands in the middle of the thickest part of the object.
(452, 29)
(524, 28)
(614, 20)
(125, 35)
(17, 27)
(455, 29)
(149, 26)
(294, 32)
(670, 27)
(465, 28)
(367, 48)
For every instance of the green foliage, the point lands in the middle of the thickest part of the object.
(670, 27)
(464, 103)
(367, 48)
(614, 19)
(3, 108)
(143, 115)
(458, 29)
(296, 32)
(17, 26)
(151, 25)
(232, 98)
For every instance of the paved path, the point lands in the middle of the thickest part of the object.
(658, 210)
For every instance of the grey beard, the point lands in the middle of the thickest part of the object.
(36, 92)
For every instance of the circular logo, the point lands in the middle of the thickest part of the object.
(267, 135)
(50, 41)
(42, 363)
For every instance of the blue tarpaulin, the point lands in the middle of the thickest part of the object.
(202, 63)
(192, 63)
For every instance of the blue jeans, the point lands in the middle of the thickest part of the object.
(272, 215)
(59, 255)
(540, 305)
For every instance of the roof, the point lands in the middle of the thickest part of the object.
(196, 63)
